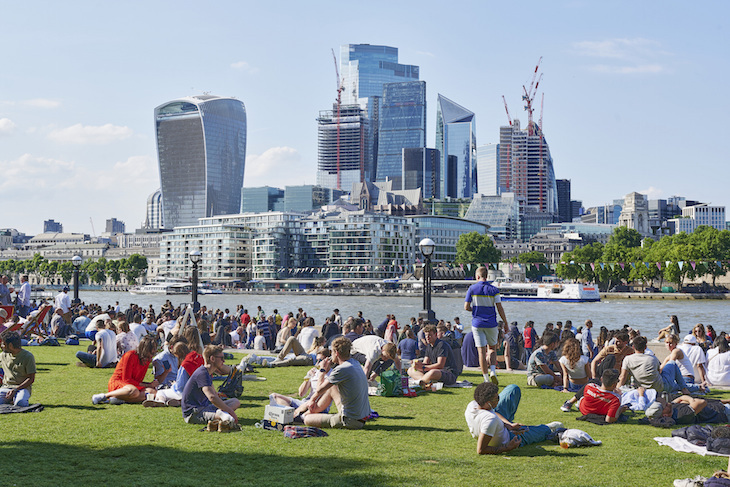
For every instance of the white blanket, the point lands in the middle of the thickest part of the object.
(682, 445)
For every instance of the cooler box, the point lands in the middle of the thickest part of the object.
(279, 414)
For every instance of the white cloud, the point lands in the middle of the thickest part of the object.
(134, 172)
(90, 134)
(7, 126)
(244, 66)
(42, 103)
(630, 56)
(28, 174)
(652, 193)
(278, 166)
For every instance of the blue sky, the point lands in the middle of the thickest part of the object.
(635, 92)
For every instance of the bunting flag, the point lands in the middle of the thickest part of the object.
(612, 266)
(633, 265)
(680, 264)
(648, 266)
(693, 264)
(603, 265)
(719, 264)
(668, 263)
(593, 267)
(659, 265)
(621, 265)
(583, 266)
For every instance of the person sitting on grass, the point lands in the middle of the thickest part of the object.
(645, 371)
(543, 362)
(201, 403)
(349, 389)
(603, 399)
(612, 356)
(105, 354)
(438, 364)
(172, 395)
(388, 358)
(19, 370)
(576, 369)
(307, 389)
(125, 384)
(302, 357)
(490, 419)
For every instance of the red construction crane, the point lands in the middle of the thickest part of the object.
(529, 96)
(509, 119)
(340, 87)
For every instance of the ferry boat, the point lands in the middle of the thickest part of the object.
(162, 288)
(536, 291)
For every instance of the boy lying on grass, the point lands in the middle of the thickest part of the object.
(490, 419)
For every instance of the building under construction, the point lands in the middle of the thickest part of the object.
(342, 149)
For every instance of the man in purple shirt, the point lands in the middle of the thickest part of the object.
(483, 300)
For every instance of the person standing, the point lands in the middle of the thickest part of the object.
(63, 301)
(24, 297)
(5, 292)
(586, 341)
(484, 302)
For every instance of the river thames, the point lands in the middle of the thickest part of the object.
(646, 315)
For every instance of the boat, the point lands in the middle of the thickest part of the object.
(536, 291)
(163, 287)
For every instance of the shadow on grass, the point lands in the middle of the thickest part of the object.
(71, 406)
(149, 465)
(53, 363)
(538, 451)
(400, 427)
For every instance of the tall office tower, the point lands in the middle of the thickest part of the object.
(50, 226)
(456, 136)
(261, 200)
(114, 226)
(201, 146)
(488, 169)
(365, 69)
(576, 208)
(635, 213)
(422, 169)
(402, 126)
(342, 149)
(154, 219)
(526, 167)
(564, 208)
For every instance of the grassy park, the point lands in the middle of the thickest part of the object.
(416, 441)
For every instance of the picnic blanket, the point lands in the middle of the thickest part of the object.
(462, 383)
(9, 408)
(680, 444)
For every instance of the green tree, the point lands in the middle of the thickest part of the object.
(534, 257)
(475, 248)
(66, 271)
(133, 267)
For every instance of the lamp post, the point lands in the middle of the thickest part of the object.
(195, 257)
(427, 246)
(76, 261)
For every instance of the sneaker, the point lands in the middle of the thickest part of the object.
(555, 425)
(493, 379)
(99, 398)
(153, 404)
(224, 427)
(566, 407)
(116, 401)
(213, 424)
(173, 403)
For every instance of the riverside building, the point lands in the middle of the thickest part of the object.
(201, 147)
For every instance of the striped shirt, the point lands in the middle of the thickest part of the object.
(483, 296)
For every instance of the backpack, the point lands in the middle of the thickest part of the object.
(233, 385)
(390, 384)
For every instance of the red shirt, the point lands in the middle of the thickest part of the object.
(527, 333)
(192, 362)
(129, 370)
(597, 401)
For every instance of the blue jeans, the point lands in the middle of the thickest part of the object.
(20, 399)
(88, 359)
(672, 378)
(509, 401)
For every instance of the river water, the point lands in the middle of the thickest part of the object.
(647, 315)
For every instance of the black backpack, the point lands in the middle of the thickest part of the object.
(233, 385)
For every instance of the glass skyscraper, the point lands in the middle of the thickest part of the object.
(201, 147)
(422, 169)
(488, 169)
(402, 125)
(456, 136)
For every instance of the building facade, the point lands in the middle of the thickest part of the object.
(50, 226)
(457, 144)
(201, 147)
(635, 213)
(488, 169)
(343, 150)
(154, 219)
(422, 169)
(694, 216)
(565, 209)
(501, 213)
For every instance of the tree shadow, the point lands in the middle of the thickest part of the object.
(399, 427)
(71, 406)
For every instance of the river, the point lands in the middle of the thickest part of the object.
(646, 315)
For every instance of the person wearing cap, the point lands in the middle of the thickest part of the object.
(697, 357)
(63, 301)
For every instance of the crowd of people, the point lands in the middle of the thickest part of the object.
(605, 376)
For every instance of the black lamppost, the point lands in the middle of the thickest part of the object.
(76, 261)
(427, 247)
(195, 257)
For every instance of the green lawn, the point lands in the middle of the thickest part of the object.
(416, 441)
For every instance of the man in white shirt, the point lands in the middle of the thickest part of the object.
(24, 297)
(106, 349)
(63, 301)
(698, 358)
(490, 419)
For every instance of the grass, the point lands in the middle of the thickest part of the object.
(416, 441)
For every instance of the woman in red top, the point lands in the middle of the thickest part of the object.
(126, 383)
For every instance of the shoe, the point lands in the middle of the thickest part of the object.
(116, 401)
(173, 403)
(566, 407)
(493, 379)
(225, 427)
(555, 425)
(153, 404)
(213, 424)
(99, 398)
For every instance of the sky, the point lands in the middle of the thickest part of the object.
(634, 92)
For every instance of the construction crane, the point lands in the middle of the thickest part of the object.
(509, 119)
(340, 87)
(529, 96)
(92, 227)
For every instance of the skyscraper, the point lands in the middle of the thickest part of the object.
(564, 207)
(342, 149)
(154, 217)
(201, 146)
(422, 169)
(488, 169)
(365, 69)
(402, 125)
(526, 167)
(456, 136)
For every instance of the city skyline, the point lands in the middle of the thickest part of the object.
(629, 91)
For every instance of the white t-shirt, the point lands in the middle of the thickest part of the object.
(306, 337)
(370, 346)
(484, 421)
(579, 370)
(259, 343)
(138, 329)
(107, 340)
(695, 354)
(92, 324)
(718, 367)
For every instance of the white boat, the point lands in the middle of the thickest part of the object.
(162, 288)
(536, 291)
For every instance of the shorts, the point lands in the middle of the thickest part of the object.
(485, 336)
(202, 415)
(448, 377)
(340, 421)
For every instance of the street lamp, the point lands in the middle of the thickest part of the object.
(195, 257)
(427, 246)
(76, 261)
